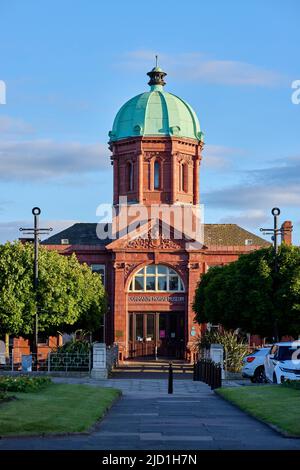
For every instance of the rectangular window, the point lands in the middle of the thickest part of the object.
(99, 269)
(156, 175)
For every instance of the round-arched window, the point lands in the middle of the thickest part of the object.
(156, 278)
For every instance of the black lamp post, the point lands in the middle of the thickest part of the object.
(275, 231)
(36, 231)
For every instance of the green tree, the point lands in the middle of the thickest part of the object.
(69, 296)
(250, 295)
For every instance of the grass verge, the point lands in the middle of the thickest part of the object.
(59, 408)
(275, 405)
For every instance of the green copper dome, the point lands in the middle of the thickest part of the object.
(156, 113)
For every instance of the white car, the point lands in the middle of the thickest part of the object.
(283, 362)
(253, 367)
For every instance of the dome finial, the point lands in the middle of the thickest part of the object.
(156, 75)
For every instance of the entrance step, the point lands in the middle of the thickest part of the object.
(150, 369)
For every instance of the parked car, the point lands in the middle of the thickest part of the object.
(254, 365)
(283, 362)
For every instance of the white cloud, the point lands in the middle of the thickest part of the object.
(48, 159)
(197, 66)
(278, 185)
(249, 218)
(219, 157)
(13, 126)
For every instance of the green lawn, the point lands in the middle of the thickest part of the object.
(277, 405)
(59, 408)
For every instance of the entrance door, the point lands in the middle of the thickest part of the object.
(160, 332)
(170, 341)
(141, 334)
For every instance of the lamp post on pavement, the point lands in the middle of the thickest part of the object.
(36, 231)
(276, 231)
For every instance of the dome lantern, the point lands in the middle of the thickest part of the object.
(157, 76)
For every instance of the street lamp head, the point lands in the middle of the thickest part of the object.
(36, 211)
(275, 211)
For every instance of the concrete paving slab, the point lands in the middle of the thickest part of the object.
(147, 418)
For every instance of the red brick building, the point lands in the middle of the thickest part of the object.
(156, 146)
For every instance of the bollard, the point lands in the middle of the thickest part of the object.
(195, 371)
(217, 381)
(206, 371)
(219, 376)
(170, 381)
(210, 366)
(213, 376)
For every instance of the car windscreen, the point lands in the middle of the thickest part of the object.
(285, 353)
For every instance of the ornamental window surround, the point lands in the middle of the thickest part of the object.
(156, 278)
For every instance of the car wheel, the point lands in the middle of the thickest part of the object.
(275, 379)
(259, 375)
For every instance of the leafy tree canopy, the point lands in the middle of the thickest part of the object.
(69, 295)
(249, 294)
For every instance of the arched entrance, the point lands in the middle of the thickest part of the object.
(156, 313)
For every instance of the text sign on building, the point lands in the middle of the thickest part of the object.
(156, 298)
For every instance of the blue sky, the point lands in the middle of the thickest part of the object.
(69, 65)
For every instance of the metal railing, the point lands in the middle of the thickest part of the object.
(205, 370)
(52, 362)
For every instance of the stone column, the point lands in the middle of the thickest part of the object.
(140, 178)
(196, 181)
(99, 370)
(193, 329)
(115, 164)
(174, 177)
(120, 308)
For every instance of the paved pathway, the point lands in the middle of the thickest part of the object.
(146, 417)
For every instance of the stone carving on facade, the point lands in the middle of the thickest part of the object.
(159, 241)
(193, 265)
(129, 267)
(119, 265)
(184, 158)
(148, 156)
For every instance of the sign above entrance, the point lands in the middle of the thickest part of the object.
(156, 298)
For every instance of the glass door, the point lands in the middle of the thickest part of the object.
(142, 334)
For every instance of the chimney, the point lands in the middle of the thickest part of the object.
(286, 232)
